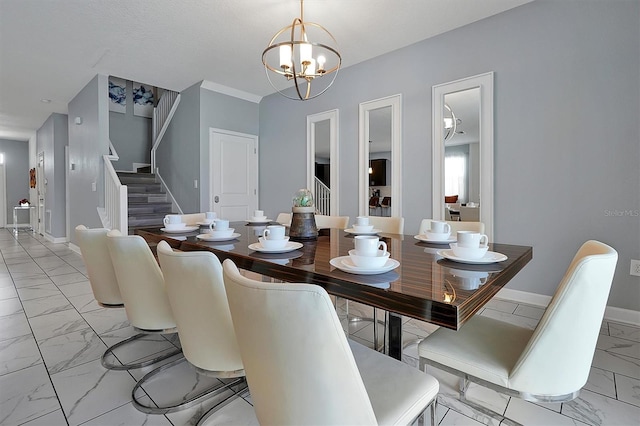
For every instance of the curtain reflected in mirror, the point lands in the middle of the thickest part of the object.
(463, 150)
(462, 153)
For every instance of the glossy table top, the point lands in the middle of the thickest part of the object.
(425, 286)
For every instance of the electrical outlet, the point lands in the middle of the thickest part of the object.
(635, 267)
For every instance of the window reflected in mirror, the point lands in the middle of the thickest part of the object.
(380, 162)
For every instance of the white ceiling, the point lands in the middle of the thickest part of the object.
(52, 49)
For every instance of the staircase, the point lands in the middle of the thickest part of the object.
(147, 202)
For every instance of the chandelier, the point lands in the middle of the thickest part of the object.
(305, 53)
(451, 124)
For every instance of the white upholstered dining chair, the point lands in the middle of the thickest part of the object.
(456, 226)
(389, 225)
(196, 293)
(141, 285)
(284, 219)
(337, 222)
(96, 257)
(548, 364)
(301, 368)
(192, 219)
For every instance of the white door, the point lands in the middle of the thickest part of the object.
(234, 174)
(41, 189)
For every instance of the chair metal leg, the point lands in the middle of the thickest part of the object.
(240, 390)
(113, 366)
(184, 402)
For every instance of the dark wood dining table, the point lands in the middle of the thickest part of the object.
(425, 286)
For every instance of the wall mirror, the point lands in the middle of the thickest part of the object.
(322, 160)
(463, 150)
(380, 157)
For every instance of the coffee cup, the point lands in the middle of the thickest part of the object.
(219, 225)
(472, 239)
(273, 244)
(468, 252)
(258, 214)
(376, 261)
(440, 227)
(273, 232)
(368, 245)
(172, 219)
(210, 216)
(362, 221)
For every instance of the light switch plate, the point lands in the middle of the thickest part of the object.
(635, 267)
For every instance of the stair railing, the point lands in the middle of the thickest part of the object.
(162, 115)
(323, 196)
(115, 199)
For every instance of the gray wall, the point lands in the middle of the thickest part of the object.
(177, 157)
(52, 138)
(88, 142)
(225, 112)
(567, 102)
(16, 160)
(130, 135)
(183, 154)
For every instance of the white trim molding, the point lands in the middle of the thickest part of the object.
(240, 94)
(611, 313)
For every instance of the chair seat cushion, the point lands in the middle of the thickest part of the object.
(484, 347)
(398, 392)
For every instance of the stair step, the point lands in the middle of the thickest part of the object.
(136, 209)
(131, 177)
(146, 197)
(144, 187)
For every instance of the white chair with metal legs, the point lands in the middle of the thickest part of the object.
(141, 285)
(284, 219)
(96, 257)
(336, 222)
(389, 225)
(196, 293)
(302, 369)
(548, 364)
(192, 219)
(456, 226)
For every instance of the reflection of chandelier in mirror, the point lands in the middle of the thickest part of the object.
(451, 124)
(296, 62)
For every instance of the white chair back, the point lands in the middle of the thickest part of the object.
(456, 226)
(287, 334)
(390, 225)
(338, 222)
(198, 300)
(284, 219)
(572, 322)
(95, 253)
(141, 282)
(469, 214)
(192, 219)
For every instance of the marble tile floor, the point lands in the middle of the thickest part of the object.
(52, 334)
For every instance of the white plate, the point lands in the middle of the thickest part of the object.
(426, 239)
(209, 237)
(260, 222)
(290, 246)
(489, 257)
(180, 231)
(345, 264)
(353, 231)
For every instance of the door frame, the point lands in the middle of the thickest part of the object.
(216, 131)
(40, 190)
(3, 192)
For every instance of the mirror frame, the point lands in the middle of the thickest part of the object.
(485, 83)
(395, 102)
(332, 116)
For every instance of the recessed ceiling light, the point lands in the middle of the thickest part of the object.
(46, 101)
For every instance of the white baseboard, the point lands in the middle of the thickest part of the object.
(74, 248)
(53, 239)
(626, 316)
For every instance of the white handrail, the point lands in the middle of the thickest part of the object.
(323, 197)
(115, 199)
(162, 115)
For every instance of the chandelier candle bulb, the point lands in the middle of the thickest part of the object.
(305, 53)
(285, 57)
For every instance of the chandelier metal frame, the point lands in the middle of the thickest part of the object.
(298, 70)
